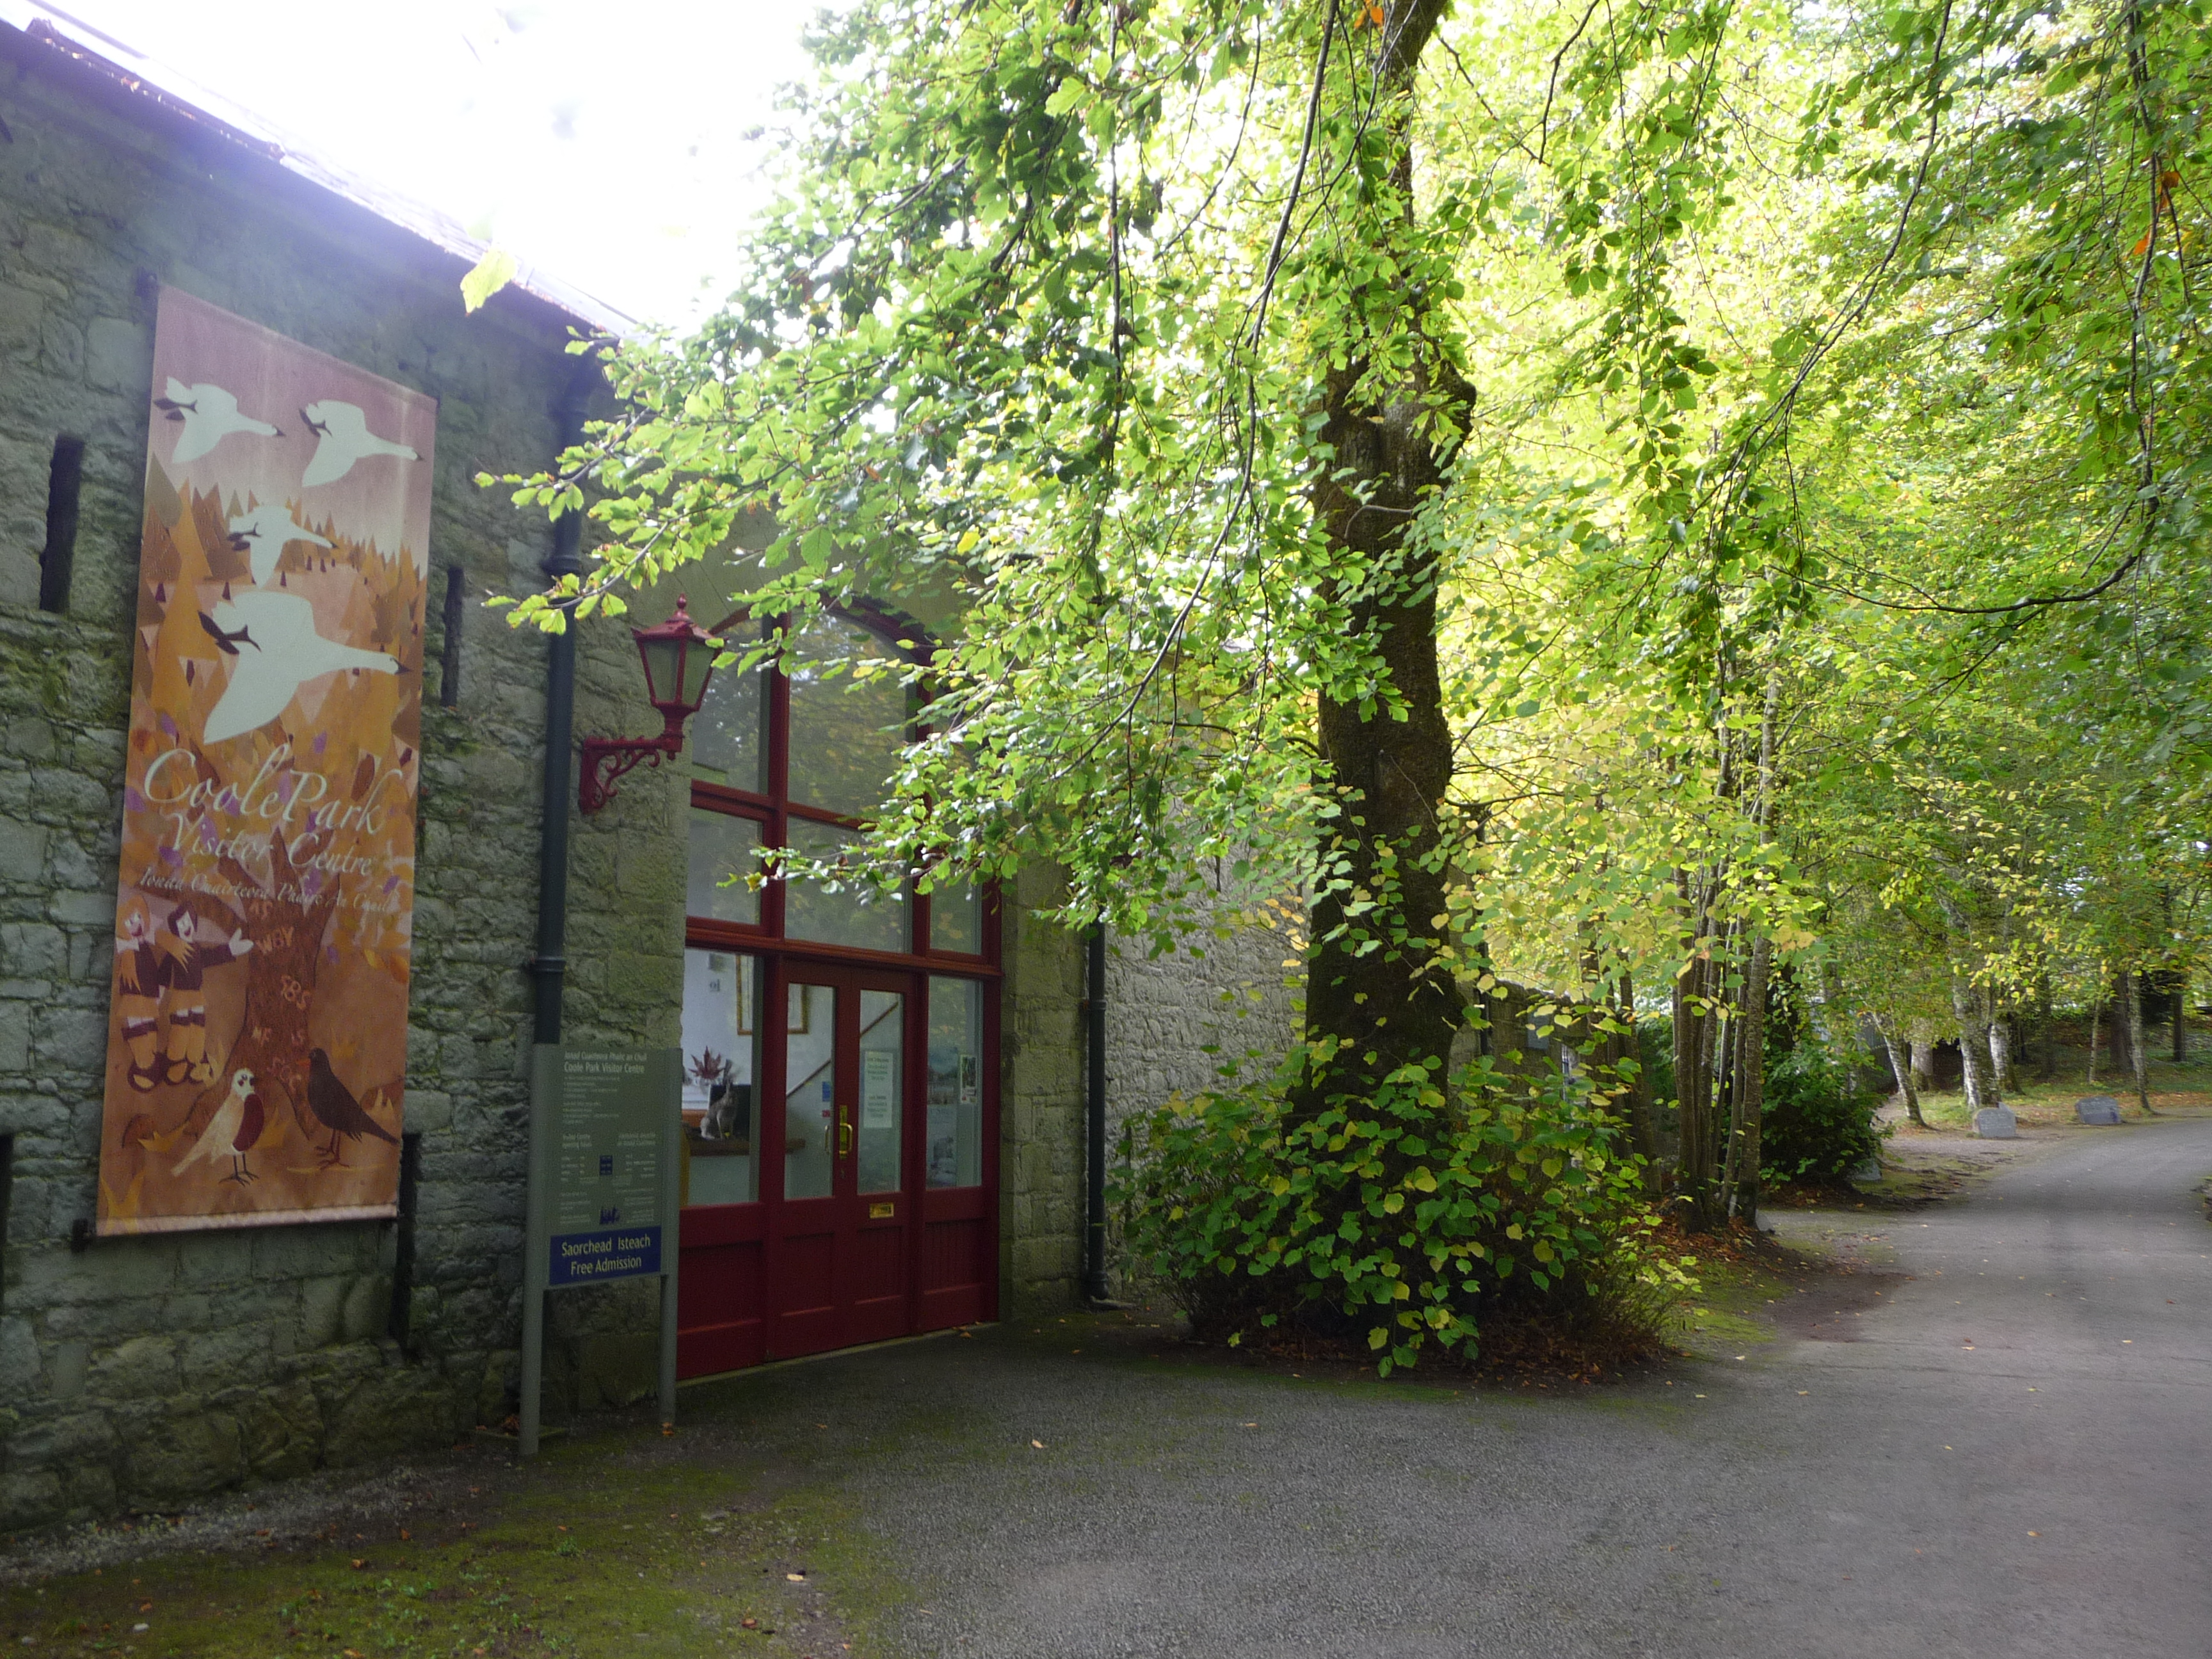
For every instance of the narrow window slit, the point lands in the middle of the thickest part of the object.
(57, 559)
(399, 1321)
(449, 675)
(6, 1190)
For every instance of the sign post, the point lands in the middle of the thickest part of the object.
(602, 1199)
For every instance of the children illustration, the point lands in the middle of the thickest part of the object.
(185, 958)
(138, 990)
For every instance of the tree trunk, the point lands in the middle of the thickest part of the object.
(1901, 1070)
(1923, 1061)
(2138, 1055)
(1751, 1040)
(1751, 1082)
(2180, 1017)
(2046, 1036)
(2001, 1071)
(1697, 1047)
(1376, 983)
(2096, 1015)
(2122, 1028)
(1973, 1045)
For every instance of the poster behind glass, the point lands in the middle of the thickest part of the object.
(721, 1061)
(954, 1141)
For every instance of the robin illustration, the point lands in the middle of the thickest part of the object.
(231, 1131)
(185, 962)
(335, 1107)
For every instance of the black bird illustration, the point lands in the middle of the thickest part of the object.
(336, 1108)
(315, 426)
(226, 643)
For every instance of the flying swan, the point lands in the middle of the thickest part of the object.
(280, 653)
(342, 437)
(209, 414)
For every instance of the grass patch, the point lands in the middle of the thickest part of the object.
(2173, 1087)
(613, 1545)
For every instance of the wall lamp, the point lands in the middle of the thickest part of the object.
(679, 660)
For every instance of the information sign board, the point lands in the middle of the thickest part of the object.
(608, 1190)
(604, 1146)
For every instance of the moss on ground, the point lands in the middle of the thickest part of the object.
(601, 1547)
(1729, 1309)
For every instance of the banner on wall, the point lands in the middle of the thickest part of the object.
(258, 1040)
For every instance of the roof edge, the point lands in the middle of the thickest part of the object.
(42, 39)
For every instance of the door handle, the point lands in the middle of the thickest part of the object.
(844, 1132)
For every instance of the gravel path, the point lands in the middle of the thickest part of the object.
(2006, 1452)
(1994, 1438)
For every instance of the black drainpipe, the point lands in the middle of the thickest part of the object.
(549, 966)
(1094, 1020)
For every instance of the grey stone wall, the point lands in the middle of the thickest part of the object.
(142, 1370)
(1040, 1105)
(1221, 1006)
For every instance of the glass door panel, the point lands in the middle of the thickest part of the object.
(811, 1119)
(883, 1086)
(722, 996)
(954, 1143)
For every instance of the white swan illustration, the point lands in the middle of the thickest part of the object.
(209, 414)
(277, 652)
(262, 534)
(342, 437)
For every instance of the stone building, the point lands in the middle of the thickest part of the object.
(139, 1371)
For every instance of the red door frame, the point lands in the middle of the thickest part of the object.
(735, 1257)
(833, 1248)
(740, 1261)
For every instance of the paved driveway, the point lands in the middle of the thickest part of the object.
(2005, 1454)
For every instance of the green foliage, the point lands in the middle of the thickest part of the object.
(1819, 1123)
(1655, 1043)
(1394, 1225)
(1820, 561)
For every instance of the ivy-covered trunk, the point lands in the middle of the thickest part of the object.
(1375, 985)
(1751, 1085)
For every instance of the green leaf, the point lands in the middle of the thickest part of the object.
(486, 277)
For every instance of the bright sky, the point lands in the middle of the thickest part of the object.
(604, 144)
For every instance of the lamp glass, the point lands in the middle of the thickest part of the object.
(698, 667)
(662, 656)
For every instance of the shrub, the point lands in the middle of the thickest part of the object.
(1398, 1221)
(1817, 1123)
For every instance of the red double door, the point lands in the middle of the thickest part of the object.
(873, 1143)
